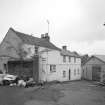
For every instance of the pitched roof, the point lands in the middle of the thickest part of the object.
(29, 39)
(101, 57)
(69, 53)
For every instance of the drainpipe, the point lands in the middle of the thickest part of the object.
(47, 67)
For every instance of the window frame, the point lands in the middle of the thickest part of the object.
(69, 58)
(36, 50)
(64, 73)
(75, 59)
(64, 58)
(78, 71)
(75, 72)
(52, 68)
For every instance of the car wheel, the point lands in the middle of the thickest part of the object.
(6, 82)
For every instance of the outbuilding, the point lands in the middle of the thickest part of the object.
(94, 68)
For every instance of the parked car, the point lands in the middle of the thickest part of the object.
(8, 79)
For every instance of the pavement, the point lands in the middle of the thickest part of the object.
(67, 93)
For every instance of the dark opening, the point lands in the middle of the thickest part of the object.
(24, 68)
(20, 68)
(69, 74)
(96, 71)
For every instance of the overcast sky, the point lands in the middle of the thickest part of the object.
(75, 23)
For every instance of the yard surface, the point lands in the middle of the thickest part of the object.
(68, 93)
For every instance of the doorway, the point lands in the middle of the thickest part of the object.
(96, 73)
(25, 68)
(69, 74)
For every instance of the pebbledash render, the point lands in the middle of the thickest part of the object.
(23, 54)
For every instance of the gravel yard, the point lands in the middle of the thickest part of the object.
(67, 93)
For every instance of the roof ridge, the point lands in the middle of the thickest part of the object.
(18, 32)
(69, 53)
(26, 38)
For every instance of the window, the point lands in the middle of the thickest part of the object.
(64, 58)
(78, 71)
(52, 68)
(5, 68)
(74, 59)
(64, 74)
(69, 59)
(74, 71)
(36, 50)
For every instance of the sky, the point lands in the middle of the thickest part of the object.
(75, 23)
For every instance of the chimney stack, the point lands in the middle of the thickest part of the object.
(42, 35)
(64, 47)
(45, 36)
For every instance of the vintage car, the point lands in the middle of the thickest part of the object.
(8, 79)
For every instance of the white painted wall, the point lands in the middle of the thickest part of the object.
(54, 57)
(49, 57)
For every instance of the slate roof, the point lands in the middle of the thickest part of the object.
(99, 57)
(29, 39)
(69, 53)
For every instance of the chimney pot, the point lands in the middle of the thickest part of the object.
(42, 35)
(47, 37)
(46, 34)
(64, 47)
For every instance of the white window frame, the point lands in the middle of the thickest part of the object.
(78, 71)
(75, 72)
(69, 58)
(52, 68)
(64, 73)
(75, 59)
(64, 58)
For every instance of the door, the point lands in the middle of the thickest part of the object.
(69, 74)
(96, 71)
